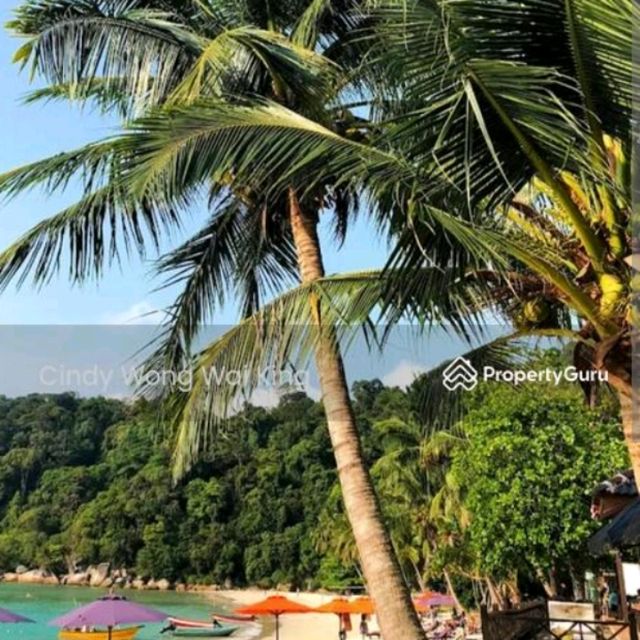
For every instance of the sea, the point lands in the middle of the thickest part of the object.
(43, 603)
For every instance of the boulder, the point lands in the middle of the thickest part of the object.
(98, 574)
(20, 569)
(138, 583)
(10, 577)
(152, 585)
(163, 585)
(76, 579)
(38, 576)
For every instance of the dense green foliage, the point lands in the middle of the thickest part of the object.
(527, 471)
(89, 480)
(505, 495)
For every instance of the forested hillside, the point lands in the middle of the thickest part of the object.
(84, 481)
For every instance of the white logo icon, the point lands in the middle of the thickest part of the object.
(460, 374)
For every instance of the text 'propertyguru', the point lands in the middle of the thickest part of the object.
(553, 376)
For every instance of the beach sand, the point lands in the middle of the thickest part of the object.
(308, 626)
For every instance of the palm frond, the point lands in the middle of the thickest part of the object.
(108, 95)
(105, 223)
(87, 236)
(257, 144)
(281, 336)
(70, 42)
(269, 148)
(238, 253)
(250, 61)
(483, 91)
(90, 165)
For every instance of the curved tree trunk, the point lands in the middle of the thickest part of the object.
(396, 614)
(452, 591)
(631, 429)
(621, 380)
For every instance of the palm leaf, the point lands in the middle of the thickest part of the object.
(282, 334)
(72, 42)
(234, 255)
(249, 61)
(86, 236)
(105, 223)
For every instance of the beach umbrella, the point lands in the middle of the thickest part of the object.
(437, 600)
(108, 611)
(419, 601)
(275, 606)
(340, 607)
(7, 617)
(363, 605)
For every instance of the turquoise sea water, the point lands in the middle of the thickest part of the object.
(44, 603)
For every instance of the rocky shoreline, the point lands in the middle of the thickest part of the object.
(99, 576)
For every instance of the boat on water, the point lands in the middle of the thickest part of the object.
(184, 628)
(232, 619)
(116, 634)
(211, 632)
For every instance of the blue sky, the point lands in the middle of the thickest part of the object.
(28, 133)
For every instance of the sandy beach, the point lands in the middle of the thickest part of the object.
(309, 626)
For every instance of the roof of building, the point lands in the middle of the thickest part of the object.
(622, 484)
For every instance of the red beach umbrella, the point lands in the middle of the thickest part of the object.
(338, 606)
(363, 605)
(274, 606)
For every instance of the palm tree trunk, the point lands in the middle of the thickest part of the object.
(451, 590)
(621, 380)
(631, 430)
(396, 614)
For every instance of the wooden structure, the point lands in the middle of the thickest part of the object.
(531, 621)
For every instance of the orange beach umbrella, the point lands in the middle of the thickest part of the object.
(340, 607)
(274, 606)
(363, 605)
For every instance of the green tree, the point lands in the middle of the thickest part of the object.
(526, 472)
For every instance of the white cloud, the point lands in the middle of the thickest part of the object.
(403, 374)
(265, 397)
(138, 313)
(269, 397)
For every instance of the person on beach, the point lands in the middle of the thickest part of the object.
(364, 626)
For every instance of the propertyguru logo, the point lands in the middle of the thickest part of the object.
(461, 374)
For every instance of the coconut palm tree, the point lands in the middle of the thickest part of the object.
(519, 115)
(236, 101)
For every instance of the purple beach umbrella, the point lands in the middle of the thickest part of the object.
(438, 600)
(9, 618)
(108, 612)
